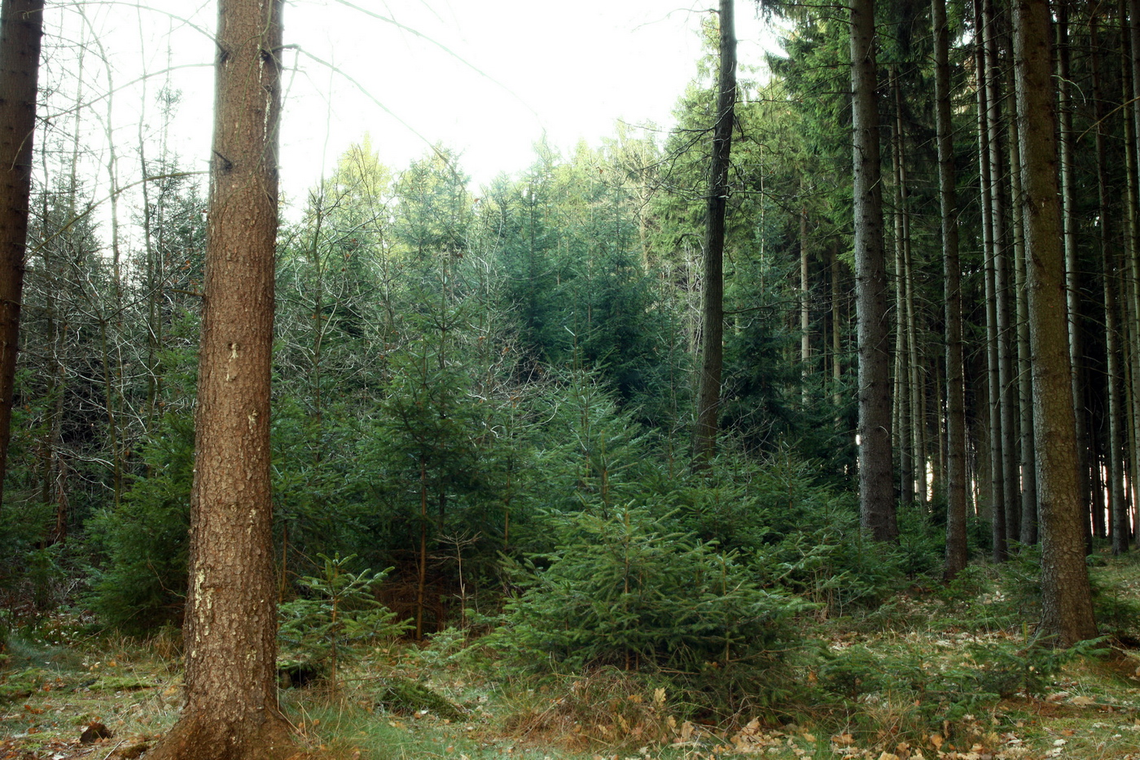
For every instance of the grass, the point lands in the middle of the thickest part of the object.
(933, 673)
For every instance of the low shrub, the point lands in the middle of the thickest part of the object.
(623, 591)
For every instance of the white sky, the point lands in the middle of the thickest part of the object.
(566, 70)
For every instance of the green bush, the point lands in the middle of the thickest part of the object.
(624, 590)
(338, 612)
(141, 547)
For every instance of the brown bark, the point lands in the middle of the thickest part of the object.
(876, 492)
(21, 29)
(1072, 271)
(712, 323)
(956, 546)
(230, 635)
(1067, 613)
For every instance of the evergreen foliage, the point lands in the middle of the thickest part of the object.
(625, 589)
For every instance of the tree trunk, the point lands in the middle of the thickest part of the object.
(1117, 508)
(1011, 503)
(1024, 385)
(1067, 612)
(712, 327)
(1132, 281)
(956, 547)
(21, 29)
(805, 310)
(1072, 272)
(876, 492)
(996, 481)
(901, 401)
(231, 628)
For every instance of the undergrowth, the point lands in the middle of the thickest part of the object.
(934, 672)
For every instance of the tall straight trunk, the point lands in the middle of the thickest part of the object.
(230, 635)
(996, 480)
(1027, 469)
(901, 402)
(956, 546)
(805, 309)
(1132, 281)
(876, 492)
(836, 331)
(1117, 508)
(712, 323)
(1002, 287)
(21, 30)
(1072, 271)
(1067, 612)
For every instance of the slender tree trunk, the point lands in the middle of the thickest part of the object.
(1072, 271)
(836, 327)
(901, 400)
(1027, 472)
(1117, 507)
(956, 547)
(712, 325)
(996, 480)
(231, 707)
(1011, 504)
(1132, 281)
(913, 401)
(876, 492)
(21, 29)
(805, 310)
(1067, 612)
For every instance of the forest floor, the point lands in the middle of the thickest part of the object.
(64, 696)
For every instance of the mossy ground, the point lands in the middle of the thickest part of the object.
(905, 681)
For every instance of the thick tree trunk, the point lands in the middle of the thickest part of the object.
(876, 492)
(956, 547)
(21, 29)
(1067, 612)
(712, 323)
(230, 634)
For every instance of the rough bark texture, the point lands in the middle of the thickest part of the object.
(876, 492)
(1072, 270)
(712, 323)
(1067, 612)
(956, 548)
(230, 634)
(21, 29)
